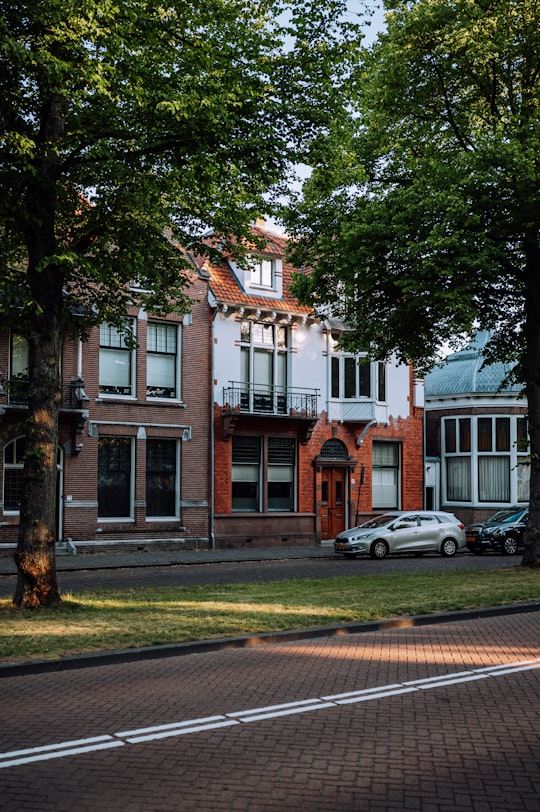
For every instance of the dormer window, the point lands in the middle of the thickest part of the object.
(262, 272)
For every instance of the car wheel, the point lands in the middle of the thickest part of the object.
(379, 549)
(510, 546)
(449, 547)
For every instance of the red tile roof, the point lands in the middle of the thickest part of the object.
(227, 289)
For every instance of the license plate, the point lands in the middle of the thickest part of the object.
(471, 538)
(340, 546)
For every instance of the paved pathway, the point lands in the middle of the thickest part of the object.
(438, 718)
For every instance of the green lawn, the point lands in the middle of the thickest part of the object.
(104, 620)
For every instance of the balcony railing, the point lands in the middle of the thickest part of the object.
(270, 400)
(15, 392)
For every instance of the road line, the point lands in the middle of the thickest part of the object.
(363, 691)
(124, 734)
(314, 704)
(181, 731)
(30, 755)
(271, 708)
(380, 695)
(75, 751)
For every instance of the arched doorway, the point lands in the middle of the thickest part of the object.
(334, 464)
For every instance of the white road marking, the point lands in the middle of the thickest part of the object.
(30, 755)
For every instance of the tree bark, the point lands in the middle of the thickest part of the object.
(43, 328)
(531, 557)
(35, 555)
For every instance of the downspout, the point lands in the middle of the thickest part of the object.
(359, 440)
(211, 534)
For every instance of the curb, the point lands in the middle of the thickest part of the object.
(119, 657)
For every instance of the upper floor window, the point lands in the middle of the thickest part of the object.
(263, 358)
(18, 369)
(116, 367)
(262, 272)
(381, 382)
(162, 360)
(351, 377)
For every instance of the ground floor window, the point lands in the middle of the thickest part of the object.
(494, 479)
(385, 474)
(13, 474)
(458, 479)
(161, 477)
(280, 485)
(485, 459)
(263, 473)
(114, 477)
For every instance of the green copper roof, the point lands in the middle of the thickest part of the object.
(461, 373)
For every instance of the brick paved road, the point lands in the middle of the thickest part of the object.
(468, 740)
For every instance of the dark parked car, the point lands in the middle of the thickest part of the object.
(417, 531)
(502, 532)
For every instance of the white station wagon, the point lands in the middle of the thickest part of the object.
(414, 531)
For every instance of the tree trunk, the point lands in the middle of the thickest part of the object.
(531, 557)
(35, 555)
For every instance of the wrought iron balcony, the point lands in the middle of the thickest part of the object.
(14, 391)
(259, 399)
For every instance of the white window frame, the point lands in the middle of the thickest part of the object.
(18, 445)
(130, 354)
(262, 272)
(131, 514)
(171, 517)
(177, 354)
(515, 457)
(380, 473)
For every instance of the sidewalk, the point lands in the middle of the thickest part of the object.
(147, 557)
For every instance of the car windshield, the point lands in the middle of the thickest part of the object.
(505, 516)
(379, 521)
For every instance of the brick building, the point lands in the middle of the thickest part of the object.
(133, 456)
(241, 423)
(307, 439)
(477, 446)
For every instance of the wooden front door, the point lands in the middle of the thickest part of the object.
(332, 502)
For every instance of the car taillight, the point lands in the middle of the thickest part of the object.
(461, 526)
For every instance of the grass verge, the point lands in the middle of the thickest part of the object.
(105, 620)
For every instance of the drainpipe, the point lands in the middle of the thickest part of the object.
(211, 533)
(359, 440)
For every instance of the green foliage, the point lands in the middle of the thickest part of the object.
(122, 120)
(421, 219)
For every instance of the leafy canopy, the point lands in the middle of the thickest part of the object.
(120, 120)
(421, 219)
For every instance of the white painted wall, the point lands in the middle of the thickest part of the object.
(309, 368)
